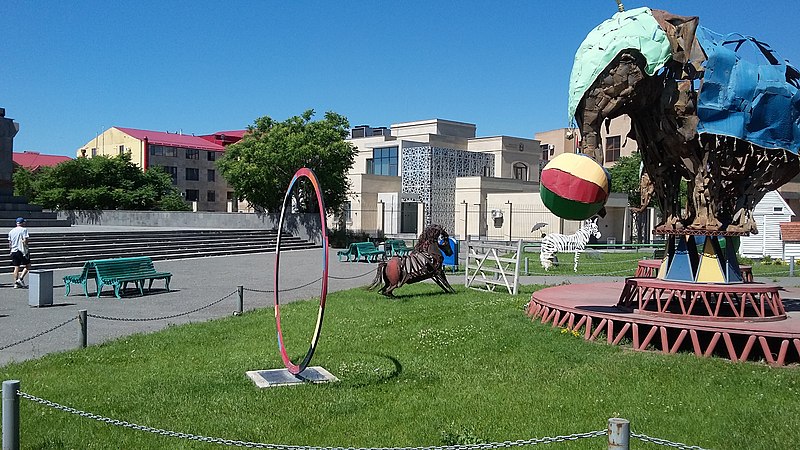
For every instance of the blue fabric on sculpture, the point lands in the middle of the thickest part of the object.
(756, 102)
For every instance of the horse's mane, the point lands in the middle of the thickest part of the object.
(429, 236)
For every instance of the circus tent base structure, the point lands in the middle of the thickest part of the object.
(591, 310)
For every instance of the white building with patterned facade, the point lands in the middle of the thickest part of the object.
(438, 171)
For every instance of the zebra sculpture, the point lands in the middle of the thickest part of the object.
(555, 242)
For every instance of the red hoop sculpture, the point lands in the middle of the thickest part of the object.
(293, 368)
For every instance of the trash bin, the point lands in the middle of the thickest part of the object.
(40, 288)
(452, 260)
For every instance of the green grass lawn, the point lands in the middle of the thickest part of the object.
(424, 369)
(624, 264)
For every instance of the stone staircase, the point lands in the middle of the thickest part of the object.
(56, 250)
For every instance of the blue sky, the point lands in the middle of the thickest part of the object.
(69, 70)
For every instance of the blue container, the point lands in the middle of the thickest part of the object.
(452, 260)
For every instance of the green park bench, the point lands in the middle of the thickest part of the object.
(396, 247)
(368, 251)
(118, 272)
(347, 253)
(82, 278)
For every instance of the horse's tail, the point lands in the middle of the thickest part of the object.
(378, 276)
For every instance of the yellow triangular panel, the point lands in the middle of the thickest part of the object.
(710, 269)
(662, 272)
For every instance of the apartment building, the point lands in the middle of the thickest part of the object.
(567, 140)
(189, 159)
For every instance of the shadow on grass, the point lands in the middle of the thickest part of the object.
(384, 378)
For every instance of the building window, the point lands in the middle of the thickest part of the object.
(94, 151)
(192, 153)
(212, 156)
(192, 174)
(612, 148)
(121, 149)
(383, 162)
(520, 172)
(211, 196)
(161, 150)
(212, 175)
(173, 172)
(547, 151)
(229, 195)
(192, 195)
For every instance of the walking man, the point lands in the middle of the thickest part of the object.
(20, 257)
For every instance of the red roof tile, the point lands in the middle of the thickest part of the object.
(35, 160)
(790, 231)
(173, 140)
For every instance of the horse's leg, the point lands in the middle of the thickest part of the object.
(380, 275)
(577, 253)
(441, 280)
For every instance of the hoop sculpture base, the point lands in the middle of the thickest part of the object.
(282, 377)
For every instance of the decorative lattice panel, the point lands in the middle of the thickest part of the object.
(429, 176)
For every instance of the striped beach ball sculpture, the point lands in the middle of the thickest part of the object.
(574, 186)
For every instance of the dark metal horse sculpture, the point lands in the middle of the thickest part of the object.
(424, 262)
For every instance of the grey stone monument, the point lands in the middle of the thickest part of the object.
(8, 129)
(14, 206)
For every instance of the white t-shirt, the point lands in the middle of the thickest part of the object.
(17, 238)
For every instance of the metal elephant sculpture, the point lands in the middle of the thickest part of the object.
(699, 112)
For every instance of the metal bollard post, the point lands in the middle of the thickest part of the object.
(240, 303)
(791, 266)
(526, 266)
(84, 334)
(10, 415)
(619, 434)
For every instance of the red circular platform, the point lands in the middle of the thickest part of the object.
(591, 310)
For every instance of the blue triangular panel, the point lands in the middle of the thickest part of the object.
(681, 268)
(733, 273)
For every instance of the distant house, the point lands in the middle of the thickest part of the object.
(770, 214)
(33, 161)
(189, 159)
(790, 235)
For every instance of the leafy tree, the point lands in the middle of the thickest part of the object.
(262, 164)
(100, 183)
(625, 178)
(23, 182)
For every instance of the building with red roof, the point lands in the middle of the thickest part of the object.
(33, 161)
(189, 159)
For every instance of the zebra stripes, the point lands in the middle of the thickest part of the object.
(555, 243)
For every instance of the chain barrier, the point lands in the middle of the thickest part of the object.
(354, 276)
(148, 319)
(267, 291)
(658, 441)
(238, 443)
(38, 334)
